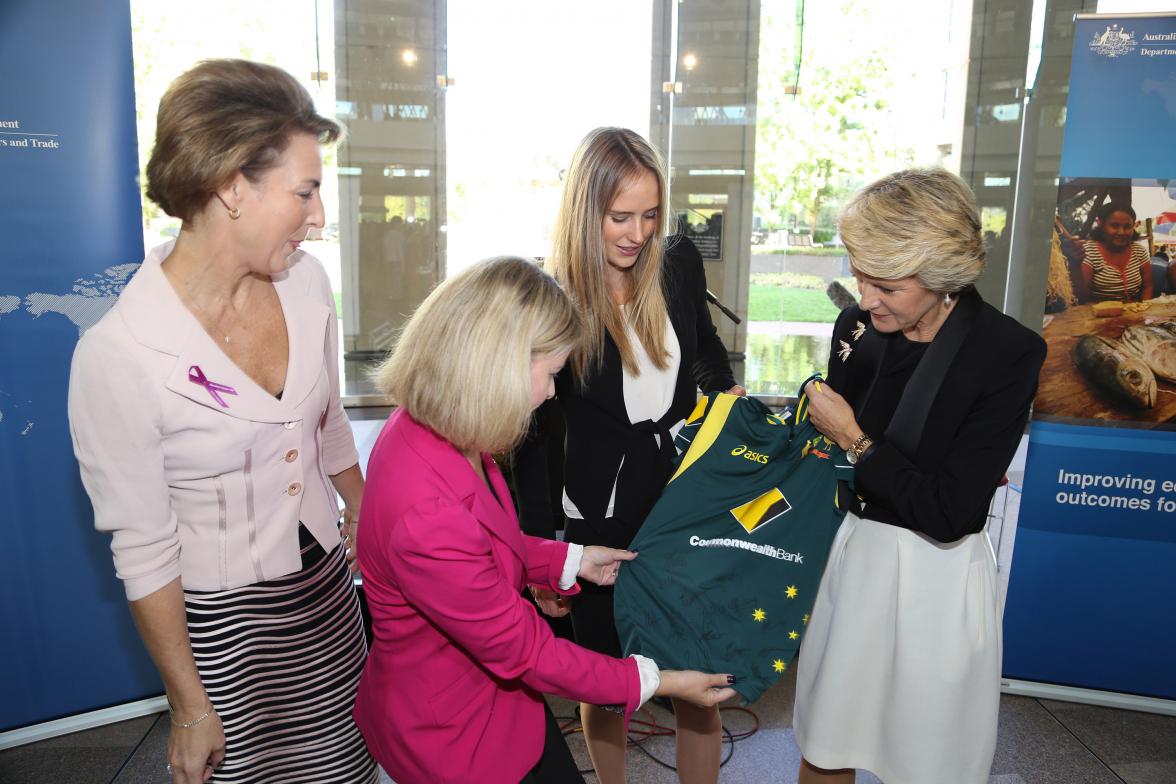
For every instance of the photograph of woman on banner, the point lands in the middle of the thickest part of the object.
(1112, 336)
(928, 390)
(1110, 265)
(453, 688)
(207, 421)
(647, 348)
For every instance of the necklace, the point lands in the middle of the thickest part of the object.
(228, 337)
(183, 287)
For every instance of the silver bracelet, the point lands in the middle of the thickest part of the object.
(189, 725)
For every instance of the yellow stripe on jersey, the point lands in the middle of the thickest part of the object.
(709, 432)
(698, 412)
(762, 510)
(801, 409)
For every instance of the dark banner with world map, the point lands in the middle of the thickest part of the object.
(1093, 582)
(72, 237)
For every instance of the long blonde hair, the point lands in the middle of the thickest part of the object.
(607, 160)
(462, 365)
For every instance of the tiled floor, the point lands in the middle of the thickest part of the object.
(1040, 742)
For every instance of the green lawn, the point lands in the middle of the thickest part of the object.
(773, 303)
(798, 251)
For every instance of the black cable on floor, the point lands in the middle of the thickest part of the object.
(727, 738)
(135, 750)
(1080, 741)
(570, 725)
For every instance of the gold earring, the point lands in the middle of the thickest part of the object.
(235, 212)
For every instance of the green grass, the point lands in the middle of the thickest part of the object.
(758, 250)
(788, 280)
(339, 302)
(773, 303)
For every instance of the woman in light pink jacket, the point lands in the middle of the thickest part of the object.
(206, 419)
(452, 690)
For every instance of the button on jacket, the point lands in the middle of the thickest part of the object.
(192, 488)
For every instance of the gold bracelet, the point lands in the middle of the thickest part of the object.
(189, 725)
(858, 443)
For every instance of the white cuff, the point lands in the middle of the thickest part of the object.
(650, 677)
(571, 566)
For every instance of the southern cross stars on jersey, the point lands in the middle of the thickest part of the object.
(732, 554)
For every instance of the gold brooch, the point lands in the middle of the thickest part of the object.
(845, 350)
(858, 331)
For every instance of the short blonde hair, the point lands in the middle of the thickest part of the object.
(606, 161)
(920, 223)
(222, 117)
(462, 364)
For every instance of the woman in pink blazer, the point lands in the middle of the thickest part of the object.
(452, 689)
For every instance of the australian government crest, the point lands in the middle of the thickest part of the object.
(1113, 42)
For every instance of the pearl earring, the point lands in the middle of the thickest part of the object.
(947, 299)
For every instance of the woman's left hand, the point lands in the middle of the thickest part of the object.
(737, 390)
(831, 414)
(601, 564)
(348, 531)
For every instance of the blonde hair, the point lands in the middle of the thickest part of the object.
(222, 117)
(920, 223)
(462, 364)
(607, 160)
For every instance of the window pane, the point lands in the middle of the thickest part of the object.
(845, 93)
(390, 92)
(531, 78)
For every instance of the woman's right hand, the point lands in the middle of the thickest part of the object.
(194, 752)
(831, 414)
(701, 688)
(550, 602)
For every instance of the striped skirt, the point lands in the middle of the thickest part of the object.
(281, 662)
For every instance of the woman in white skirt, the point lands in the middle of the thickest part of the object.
(929, 391)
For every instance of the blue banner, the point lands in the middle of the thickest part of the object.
(1122, 106)
(70, 218)
(1093, 582)
(1098, 481)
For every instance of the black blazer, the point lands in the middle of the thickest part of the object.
(971, 433)
(598, 432)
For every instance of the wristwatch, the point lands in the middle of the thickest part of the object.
(858, 449)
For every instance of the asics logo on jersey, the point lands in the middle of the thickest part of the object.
(747, 454)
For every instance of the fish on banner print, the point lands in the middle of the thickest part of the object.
(732, 554)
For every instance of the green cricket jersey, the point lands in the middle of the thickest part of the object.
(731, 556)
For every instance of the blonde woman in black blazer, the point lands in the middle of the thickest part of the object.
(649, 347)
(928, 390)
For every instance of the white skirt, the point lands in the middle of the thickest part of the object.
(899, 673)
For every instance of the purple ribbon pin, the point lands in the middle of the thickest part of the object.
(196, 376)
